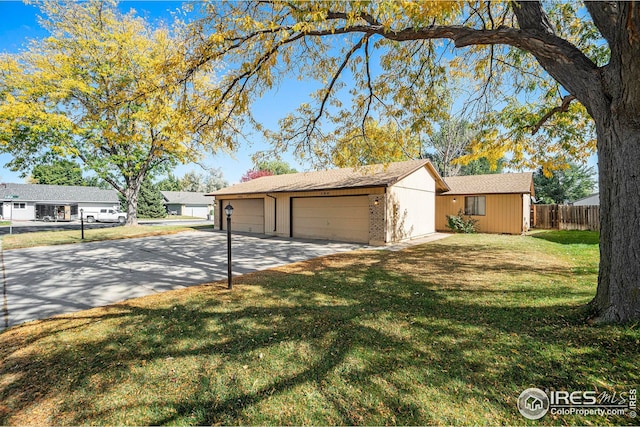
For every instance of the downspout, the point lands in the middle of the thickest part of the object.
(275, 212)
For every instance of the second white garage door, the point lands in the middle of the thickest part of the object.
(344, 218)
(248, 215)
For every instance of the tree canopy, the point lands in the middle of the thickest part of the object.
(546, 79)
(276, 167)
(564, 185)
(253, 174)
(63, 172)
(401, 66)
(96, 89)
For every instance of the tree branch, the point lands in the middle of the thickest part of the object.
(333, 81)
(531, 16)
(369, 87)
(559, 109)
(605, 15)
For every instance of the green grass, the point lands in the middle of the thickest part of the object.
(566, 237)
(46, 238)
(4, 223)
(444, 333)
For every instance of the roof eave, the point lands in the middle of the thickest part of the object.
(487, 193)
(309, 190)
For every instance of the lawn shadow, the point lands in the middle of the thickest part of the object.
(372, 338)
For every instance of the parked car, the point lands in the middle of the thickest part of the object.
(105, 215)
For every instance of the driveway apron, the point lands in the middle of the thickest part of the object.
(45, 281)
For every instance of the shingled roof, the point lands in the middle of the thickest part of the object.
(57, 193)
(366, 176)
(186, 198)
(503, 183)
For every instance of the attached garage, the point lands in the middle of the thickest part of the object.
(248, 215)
(344, 218)
(375, 204)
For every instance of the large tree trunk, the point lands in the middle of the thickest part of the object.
(618, 127)
(131, 195)
(611, 95)
(618, 296)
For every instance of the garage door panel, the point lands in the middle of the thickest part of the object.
(248, 215)
(196, 211)
(332, 218)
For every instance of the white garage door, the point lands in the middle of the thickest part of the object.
(248, 215)
(344, 218)
(196, 211)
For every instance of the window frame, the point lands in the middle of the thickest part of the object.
(473, 208)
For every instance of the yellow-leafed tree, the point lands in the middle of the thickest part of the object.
(97, 89)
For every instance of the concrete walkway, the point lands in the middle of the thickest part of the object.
(45, 281)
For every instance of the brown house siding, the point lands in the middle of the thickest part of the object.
(505, 213)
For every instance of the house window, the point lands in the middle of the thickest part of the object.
(19, 206)
(474, 205)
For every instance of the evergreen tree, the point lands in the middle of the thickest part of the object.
(170, 183)
(63, 172)
(150, 202)
(564, 185)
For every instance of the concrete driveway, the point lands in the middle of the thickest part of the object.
(45, 281)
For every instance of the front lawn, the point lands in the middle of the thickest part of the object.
(445, 333)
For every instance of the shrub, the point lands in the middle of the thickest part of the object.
(460, 224)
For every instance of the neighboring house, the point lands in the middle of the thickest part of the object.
(188, 203)
(501, 203)
(592, 200)
(24, 202)
(375, 204)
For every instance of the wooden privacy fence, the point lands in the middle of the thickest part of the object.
(565, 217)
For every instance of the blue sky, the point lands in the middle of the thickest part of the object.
(18, 23)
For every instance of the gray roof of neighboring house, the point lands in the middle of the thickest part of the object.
(57, 193)
(502, 183)
(186, 198)
(365, 176)
(591, 200)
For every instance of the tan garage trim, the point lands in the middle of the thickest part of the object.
(341, 218)
(248, 215)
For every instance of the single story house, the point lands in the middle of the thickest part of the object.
(501, 203)
(592, 200)
(188, 203)
(25, 202)
(375, 204)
